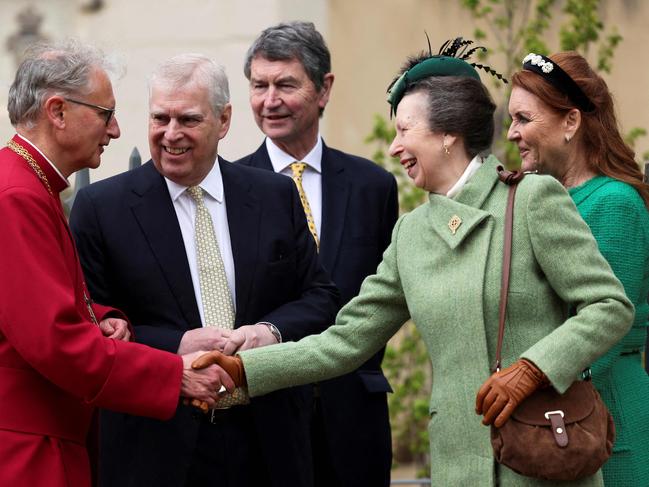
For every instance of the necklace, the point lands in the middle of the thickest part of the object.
(22, 152)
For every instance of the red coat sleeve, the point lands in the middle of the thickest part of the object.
(44, 324)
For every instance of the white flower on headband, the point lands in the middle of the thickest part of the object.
(537, 60)
(529, 57)
(547, 67)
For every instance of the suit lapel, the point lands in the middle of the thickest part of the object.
(260, 158)
(455, 219)
(244, 213)
(154, 212)
(335, 193)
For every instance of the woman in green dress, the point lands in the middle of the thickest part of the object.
(564, 123)
(443, 270)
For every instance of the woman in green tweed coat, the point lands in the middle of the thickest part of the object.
(443, 270)
(588, 155)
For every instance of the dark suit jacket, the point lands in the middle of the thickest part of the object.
(359, 209)
(133, 256)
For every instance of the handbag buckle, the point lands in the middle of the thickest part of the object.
(558, 427)
(549, 413)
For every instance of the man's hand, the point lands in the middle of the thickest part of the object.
(115, 328)
(249, 336)
(501, 393)
(203, 383)
(206, 338)
(232, 365)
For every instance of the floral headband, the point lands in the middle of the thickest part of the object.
(451, 61)
(557, 77)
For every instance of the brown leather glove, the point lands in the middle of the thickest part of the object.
(501, 393)
(232, 365)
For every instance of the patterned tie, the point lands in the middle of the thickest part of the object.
(298, 169)
(215, 293)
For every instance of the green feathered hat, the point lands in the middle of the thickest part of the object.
(451, 61)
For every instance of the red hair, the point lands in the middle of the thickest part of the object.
(606, 151)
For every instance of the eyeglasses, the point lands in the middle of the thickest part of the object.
(107, 113)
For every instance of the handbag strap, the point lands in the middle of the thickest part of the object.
(511, 178)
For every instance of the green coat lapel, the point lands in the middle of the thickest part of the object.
(454, 219)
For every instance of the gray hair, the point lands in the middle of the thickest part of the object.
(49, 69)
(293, 40)
(183, 69)
(461, 106)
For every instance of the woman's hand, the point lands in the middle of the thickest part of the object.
(501, 393)
(202, 384)
(232, 365)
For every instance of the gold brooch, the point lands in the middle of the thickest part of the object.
(454, 223)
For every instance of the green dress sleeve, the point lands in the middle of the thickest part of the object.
(615, 215)
(362, 327)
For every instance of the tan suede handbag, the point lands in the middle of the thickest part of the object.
(550, 435)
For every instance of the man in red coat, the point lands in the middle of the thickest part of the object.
(56, 365)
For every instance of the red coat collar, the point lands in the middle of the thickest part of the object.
(56, 181)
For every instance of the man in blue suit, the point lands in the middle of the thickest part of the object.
(351, 205)
(191, 246)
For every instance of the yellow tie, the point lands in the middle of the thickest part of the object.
(298, 169)
(218, 309)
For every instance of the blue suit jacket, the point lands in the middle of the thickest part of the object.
(359, 209)
(133, 256)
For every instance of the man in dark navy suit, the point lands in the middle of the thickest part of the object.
(351, 205)
(191, 246)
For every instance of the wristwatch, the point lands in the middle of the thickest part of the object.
(273, 329)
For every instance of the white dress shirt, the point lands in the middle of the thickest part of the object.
(185, 207)
(311, 179)
(470, 170)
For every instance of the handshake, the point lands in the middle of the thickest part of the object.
(226, 370)
(207, 374)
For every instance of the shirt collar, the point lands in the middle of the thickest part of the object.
(470, 170)
(56, 169)
(281, 160)
(212, 185)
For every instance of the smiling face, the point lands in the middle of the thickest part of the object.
(86, 126)
(539, 133)
(285, 102)
(420, 151)
(184, 132)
